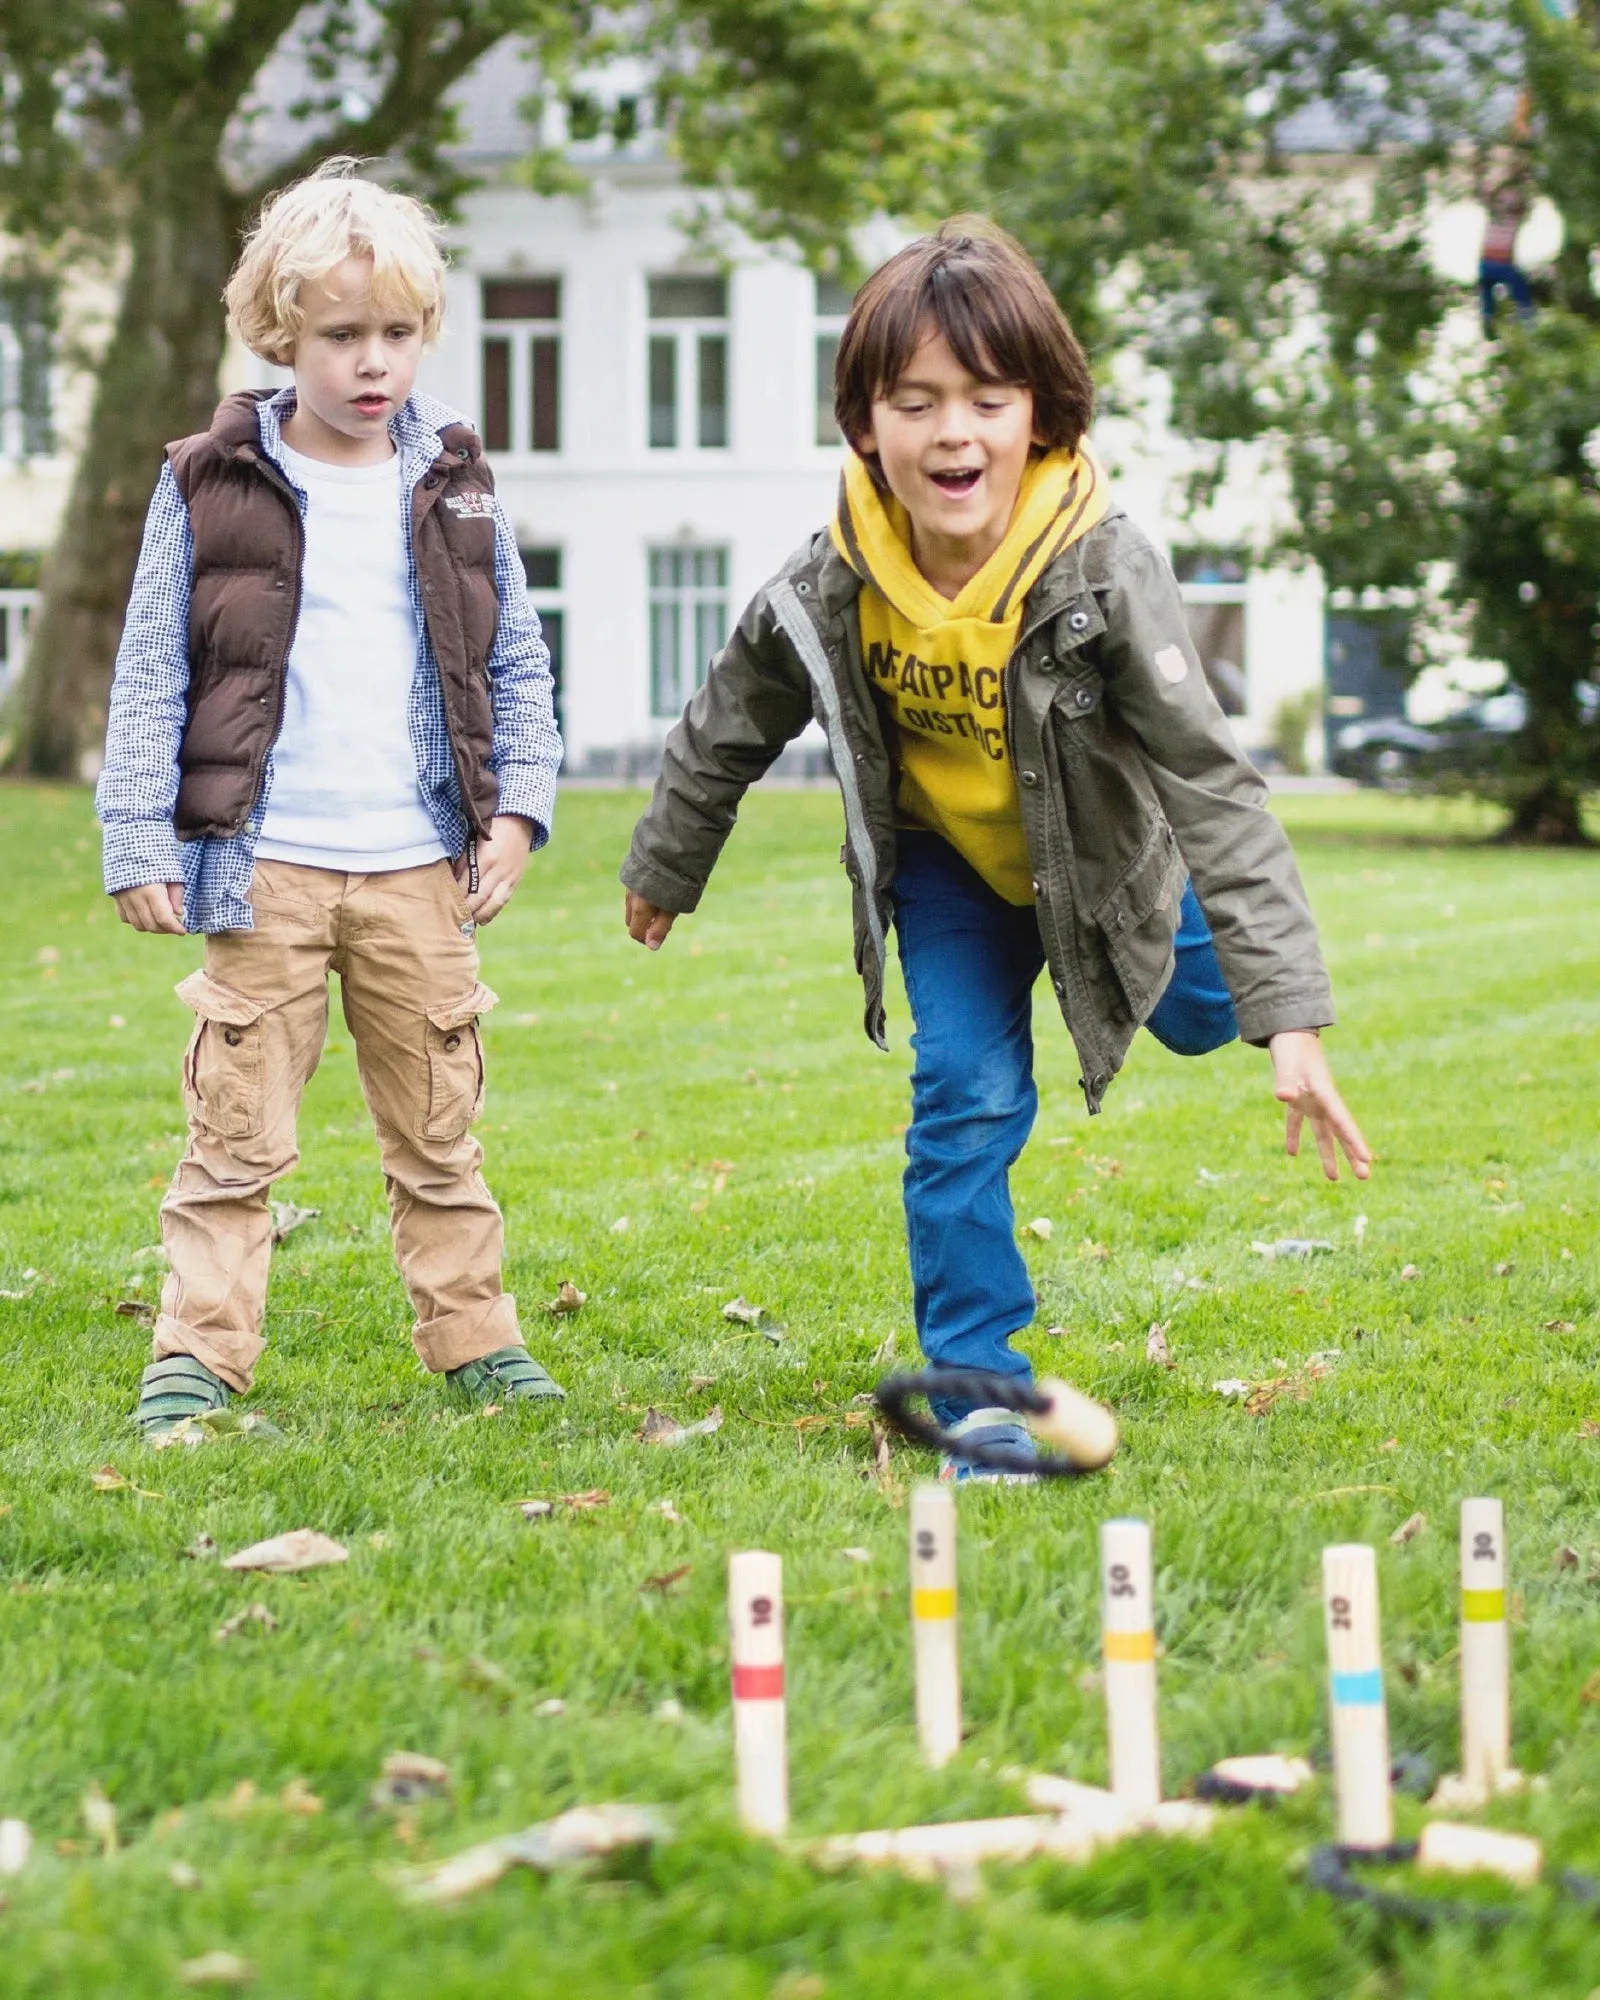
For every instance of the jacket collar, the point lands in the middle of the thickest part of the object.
(428, 434)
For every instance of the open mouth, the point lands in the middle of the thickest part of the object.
(961, 479)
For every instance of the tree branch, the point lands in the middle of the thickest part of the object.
(421, 77)
(236, 52)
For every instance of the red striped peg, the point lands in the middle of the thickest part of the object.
(760, 1717)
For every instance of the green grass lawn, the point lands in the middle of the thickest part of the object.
(670, 1132)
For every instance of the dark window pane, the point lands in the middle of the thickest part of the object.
(833, 299)
(522, 298)
(688, 298)
(710, 633)
(664, 392)
(713, 389)
(827, 355)
(585, 117)
(1205, 565)
(665, 681)
(497, 395)
(625, 120)
(542, 567)
(28, 304)
(544, 357)
(550, 623)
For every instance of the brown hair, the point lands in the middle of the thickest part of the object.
(984, 293)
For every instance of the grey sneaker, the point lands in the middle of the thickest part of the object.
(508, 1375)
(990, 1427)
(176, 1387)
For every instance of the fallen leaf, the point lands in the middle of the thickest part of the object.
(100, 1818)
(658, 1428)
(1156, 1348)
(1232, 1388)
(297, 1797)
(670, 1710)
(1504, 1270)
(536, 1510)
(109, 1480)
(1566, 1558)
(568, 1299)
(1589, 1428)
(1041, 1229)
(408, 1777)
(16, 1844)
(699, 1384)
(1408, 1530)
(1097, 1253)
(553, 1707)
(621, 1226)
(201, 1549)
(1056, 1332)
(741, 1310)
(667, 1579)
(286, 1219)
(880, 1452)
(883, 1353)
(857, 1555)
(482, 1676)
(1293, 1246)
(1390, 1444)
(1588, 1694)
(1263, 1395)
(1409, 1271)
(217, 1968)
(182, 1876)
(252, 1614)
(239, 1801)
(213, 1427)
(285, 1555)
(137, 1309)
(667, 1512)
(578, 1835)
(1559, 1326)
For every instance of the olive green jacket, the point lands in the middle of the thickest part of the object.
(1128, 776)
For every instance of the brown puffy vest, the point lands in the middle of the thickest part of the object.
(248, 544)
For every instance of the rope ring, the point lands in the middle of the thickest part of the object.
(894, 1394)
(1330, 1869)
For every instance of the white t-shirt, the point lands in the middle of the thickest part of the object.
(345, 792)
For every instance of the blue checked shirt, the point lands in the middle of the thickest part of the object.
(138, 789)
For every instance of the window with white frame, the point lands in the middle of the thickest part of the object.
(542, 567)
(688, 621)
(832, 309)
(522, 364)
(688, 362)
(27, 355)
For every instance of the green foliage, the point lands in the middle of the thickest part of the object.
(619, 1085)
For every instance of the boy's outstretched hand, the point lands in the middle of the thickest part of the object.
(1302, 1080)
(647, 925)
(501, 860)
(154, 906)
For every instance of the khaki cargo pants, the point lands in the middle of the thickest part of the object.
(402, 945)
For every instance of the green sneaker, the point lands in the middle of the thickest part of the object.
(176, 1387)
(508, 1375)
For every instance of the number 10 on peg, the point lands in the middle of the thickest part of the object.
(760, 1725)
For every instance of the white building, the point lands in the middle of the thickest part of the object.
(662, 436)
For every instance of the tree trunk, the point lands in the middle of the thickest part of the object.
(1549, 816)
(158, 381)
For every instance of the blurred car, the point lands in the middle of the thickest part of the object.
(1389, 751)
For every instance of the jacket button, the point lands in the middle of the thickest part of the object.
(282, 583)
(1030, 779)
(1061, 988)
(452, 1043)
(1079, 621)
(232, 1037)
(428, 587)
(1045, 660)
(1038, 887)
(1083, 698)
(261, 702)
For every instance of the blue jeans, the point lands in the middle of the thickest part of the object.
(970, 961)
(1493, 278)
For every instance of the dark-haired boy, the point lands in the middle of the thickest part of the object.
(1031, 762)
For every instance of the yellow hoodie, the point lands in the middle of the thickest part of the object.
(938, 664)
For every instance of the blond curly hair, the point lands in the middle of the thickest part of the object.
(309, 229)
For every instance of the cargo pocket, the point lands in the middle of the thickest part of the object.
(1139, 917)
(224, 1068)
(455, 1064)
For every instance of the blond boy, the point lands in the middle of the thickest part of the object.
(331, 747)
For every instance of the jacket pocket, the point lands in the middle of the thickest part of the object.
(1138, 917)
(224, 1067)
(455, 1064)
